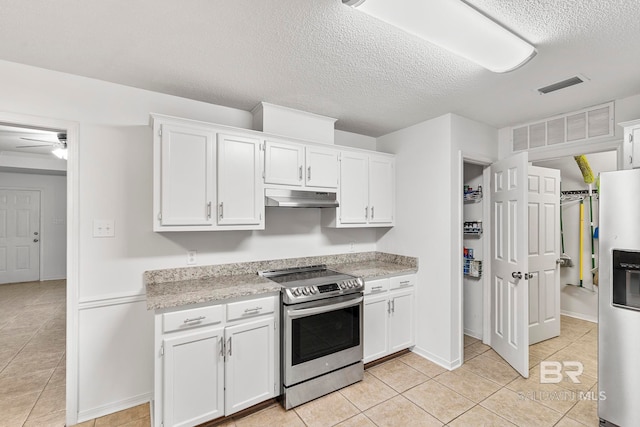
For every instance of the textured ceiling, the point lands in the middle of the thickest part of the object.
(329, 59)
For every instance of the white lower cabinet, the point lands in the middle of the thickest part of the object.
(210, 364)
(388, 316)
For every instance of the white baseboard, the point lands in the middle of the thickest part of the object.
(449, 365)
(46, 279)
(474, 334)
(580, 316)
(101, 411)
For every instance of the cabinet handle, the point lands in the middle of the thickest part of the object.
(389, 306)
(253, 310)
(300, 173)
(221, 346)
(366, 212)
(229, 345)
(309, 173)
(376, 288)
(221, 209)
(393, 305)
(195, 319)
(372, 212)
(404, 283)
(209, 210)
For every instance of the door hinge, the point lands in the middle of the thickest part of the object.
(160, 131)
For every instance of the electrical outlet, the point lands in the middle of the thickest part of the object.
(352, 247)
(104, 228)
(192, 257)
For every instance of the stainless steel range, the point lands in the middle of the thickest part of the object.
(321, 331)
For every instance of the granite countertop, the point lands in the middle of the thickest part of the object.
(209, 289)
(374, 269)
(193, 285)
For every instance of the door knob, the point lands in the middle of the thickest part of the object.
(35, 240)
(528, 276)
(517, 275)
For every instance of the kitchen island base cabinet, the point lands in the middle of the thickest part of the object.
(215, 360)
(388, 316)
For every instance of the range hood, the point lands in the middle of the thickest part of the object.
(275, 197)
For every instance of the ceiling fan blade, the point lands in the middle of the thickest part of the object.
(38, 140)
(33, 146)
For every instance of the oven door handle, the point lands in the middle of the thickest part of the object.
(294, 314)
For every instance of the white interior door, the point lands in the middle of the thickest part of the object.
(19, 235)
(509, 313)
(544, 251)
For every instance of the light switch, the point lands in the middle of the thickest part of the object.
(104, 228)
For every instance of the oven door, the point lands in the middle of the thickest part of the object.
(321, 336)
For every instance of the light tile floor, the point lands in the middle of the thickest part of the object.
(407, 391)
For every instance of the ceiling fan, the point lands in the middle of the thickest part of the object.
(59, 147)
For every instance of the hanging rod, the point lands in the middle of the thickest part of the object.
(579, 192)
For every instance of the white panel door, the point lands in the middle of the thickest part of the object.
(354, 197)
(401, 320)
(250, 365)
(187, 179)
(376, 318)
(193, 372)
(381, 189)
(240, 192)
(19, 236)
(509, 313)
(283, 163)
(322, 167)
(635, 148)
(544, 251)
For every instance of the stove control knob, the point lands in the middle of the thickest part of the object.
(343, 285)
(313, 290)
(350, 284)
(296, 292)
(305, 291)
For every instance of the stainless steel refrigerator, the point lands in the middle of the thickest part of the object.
(619, 299)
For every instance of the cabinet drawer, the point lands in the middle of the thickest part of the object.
(251, 308)
(193, 318)
(403, 281)
(376, 286)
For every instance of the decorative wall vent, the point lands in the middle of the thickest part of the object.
(583, 125)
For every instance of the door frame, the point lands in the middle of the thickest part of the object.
(484, 160)
(40, 192)
(73, 242)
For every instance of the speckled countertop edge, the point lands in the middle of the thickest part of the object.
(192, 285)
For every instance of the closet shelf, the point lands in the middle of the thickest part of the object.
(471, 195)
(472, 268)
(473, 228)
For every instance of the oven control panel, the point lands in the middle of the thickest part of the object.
(307, 293)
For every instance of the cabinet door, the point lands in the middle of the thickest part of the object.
(240, 198)
(376, 314)
(635, 147)
(354, 205)
(250, 366)
(401, 320)
(283, 163)
(322, 167)
(187, 179)
(193, 370)
(381, 190)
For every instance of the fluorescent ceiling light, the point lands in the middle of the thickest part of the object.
(455, 26)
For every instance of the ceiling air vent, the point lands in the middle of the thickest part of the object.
(582, 125)
(560, 85)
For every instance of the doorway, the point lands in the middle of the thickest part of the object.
(34, 331)
(575, 301)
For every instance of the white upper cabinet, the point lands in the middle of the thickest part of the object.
(284, 163)
(187, 180)
(206, 177)
(321, 167)
(381, 189)
(298, 165)
(240, 190)
(354, 188)
(366, 191)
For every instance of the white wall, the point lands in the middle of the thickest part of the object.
(355, 140)
(53, 208)
(582, 303)
(115, 179)
(429, 222)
